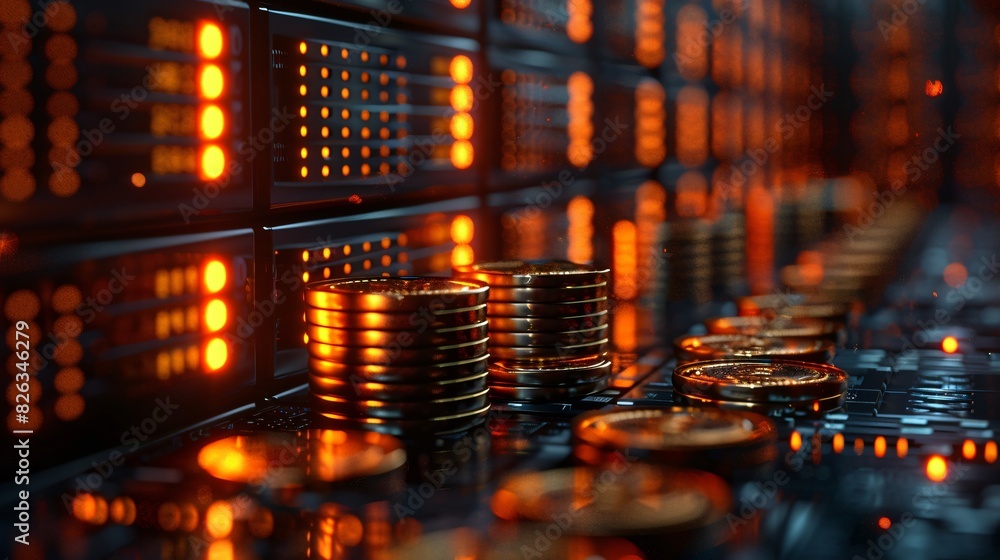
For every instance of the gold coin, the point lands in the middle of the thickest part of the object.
(548, 295)
(396, 321)
(760, 381)
(551, 353)
(357, 388)
(399, 373)
(546, 310)
(730, 346)
(547, 393)
(542, 324)
(559, 374)
(411, 409)
(548, 339)
(404, 293)
(397, 354)
(430, 425)
(549, 274)
(798, 327)
(415, 337)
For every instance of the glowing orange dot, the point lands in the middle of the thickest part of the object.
(934, 88)
(969, 450)
(462, 229)
(902, 447)
(212, 122)
(214, 277)
(880, 446)
(138, 180)
(937, 469)
(461, 4)
(462, 154)
(210, 40)
(990, 452)
(213, 162)
(461, 98)
(303, 47)
(304, 172)
(461, 69)
(795, 441)
(949, 344)
(884, 522)
(955, 275)
(462, 255)
(462, 126)
(216, 315)
(211, 81)
(219, 517)
(216, 354)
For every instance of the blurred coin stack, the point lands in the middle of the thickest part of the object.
(688, 249)
(548, 325)
(729, 254)
(404, 356)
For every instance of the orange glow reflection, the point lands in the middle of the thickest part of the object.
(955, 275)
(692, 126)
(579, 27)
(460, 69)
(692, 195)
(462, 154)
(625, 262)
(219, 520)
(650, 129)
(216, 354)
(462, 229)
(760, 239)
(580, 231)
(649, 32)
(213, 162)
(212, 122)
(624, 333)
(990, 452)
(692, 52)
(580, 128)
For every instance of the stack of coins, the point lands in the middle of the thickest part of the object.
(403, 356)
(729, 254)
(689, 251)
(792, 327)
(548, 325)
(762, 384)
(696, 348)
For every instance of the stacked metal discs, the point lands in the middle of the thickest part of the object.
(548, 325)
(728, 254)
(689, 270)
(404, 356)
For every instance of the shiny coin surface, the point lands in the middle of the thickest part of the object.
(398, 355)
(399, 373)
(542, 324)
(797, 327)
(549, 339)
(760, 381)
(549, 273)
(549, 353)
(425, 389)
(409, 293)
(558, 374)
(396, 321)
(721, 346)
(673, 429)
(429, 425)
(791, 305)
(631, 499)
(400, 409)
(548, 295)
(548, 310)
(415, 338)
(551, 393)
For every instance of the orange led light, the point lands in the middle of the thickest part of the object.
(462, 126)
(219, 518)
(462, 229)
(462, 255)
(796, 441)
(214, 277)
(880, 446)
(461, 69)
(210, 40)
(216, 315)
(902, 447)
(949, 344)
(461, 4)
(211, 81)
(838, 443)
(937, 469)
(884, 522)
(969, 450)
(138, 180)
(212, 122)
(990, 452)
(213, 162)
(462, 154)
(216, 354)
(461, 98)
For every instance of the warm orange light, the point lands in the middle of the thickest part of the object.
(880, 446)
(462, 255)
(796, 441)
(219, 520)
(580, 230)
(138, 180)
(580, 128)
(692, 194)
(461, 69)
(949, 344)
(216, 354)
(211, 81)
(579, 27)
(212, 122)
(209, 40)
(902, 447)
(462, 229)
(955, 275)
(934, 88)
(990, 452)
(859, 446)
(462, 98)
(937, 469)
(213, 162)
(650, 35)
(216, 315)
(462, 126)
(462, 154)
(461, 4)
(303, 47)
(692, 126)
(969, 450)
(838, 443)
(884, 522)
(624, 259)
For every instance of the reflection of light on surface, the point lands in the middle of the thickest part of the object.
(884, 522)
(624, 334)
(461, 4)
(461, 98)
(902, 447)
(650, 127)
(880, 446)
(462, 255)
(969, 449)
(625, 265)
(795, 442)
(138, 180)
(212, 122)
(462, 154)
(461, 126)
(949, 344)
(230, 459)
(580, 230)
(838, 443)
(219, 520)
(213, 162)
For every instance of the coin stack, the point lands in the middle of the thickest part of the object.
(729, 254)
(548, 325)
(696, 348)
(689, 270)
(404, 356)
